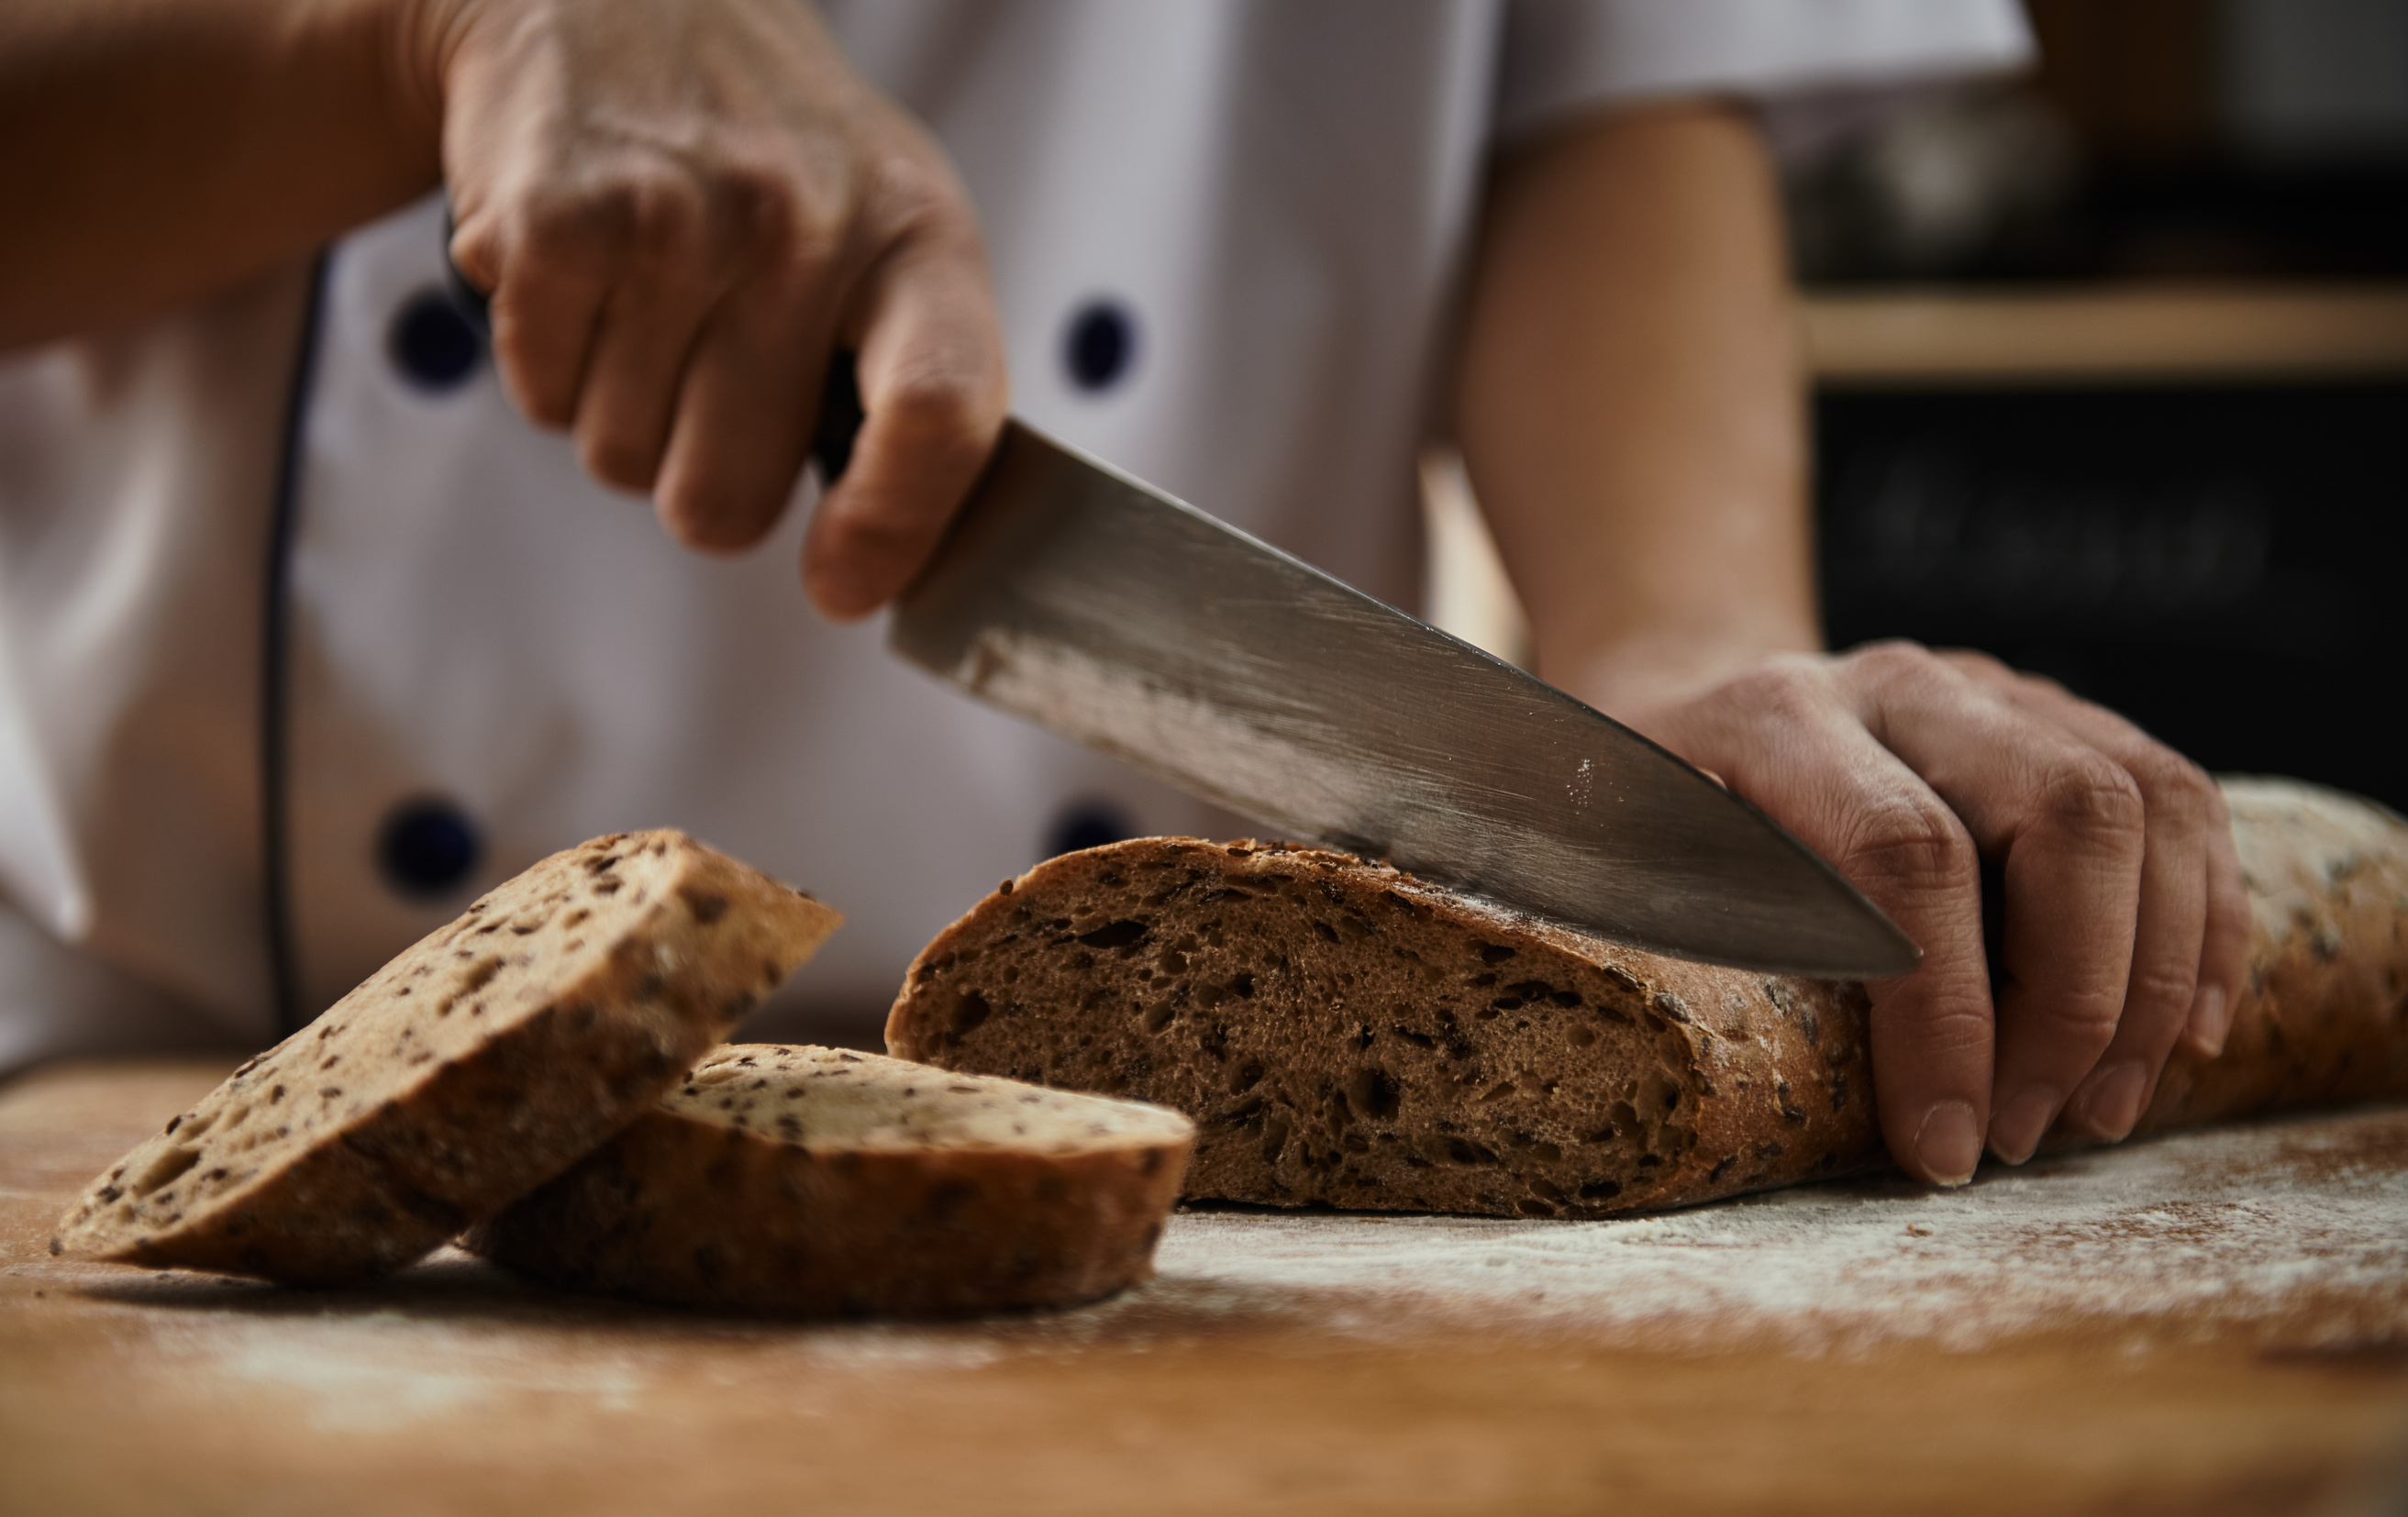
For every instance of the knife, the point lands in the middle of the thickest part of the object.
(1078, 598)
(1088, 602)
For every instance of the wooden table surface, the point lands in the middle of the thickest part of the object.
(1252, 1378)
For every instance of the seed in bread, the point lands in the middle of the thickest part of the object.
(824, 1182)
(1345, 1034)
(479, 1063)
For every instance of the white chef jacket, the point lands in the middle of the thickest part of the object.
(281, 568)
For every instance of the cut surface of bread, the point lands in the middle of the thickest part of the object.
(477, 1064)
(1345, 1034)
(823, 1182)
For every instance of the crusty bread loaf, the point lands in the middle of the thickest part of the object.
(1345, 1034)
(828, 1182)
(471, 1068)
(2324, 1019)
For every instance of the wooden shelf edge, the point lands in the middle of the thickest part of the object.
(2118, 334)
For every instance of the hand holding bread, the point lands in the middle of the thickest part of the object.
(2119, 918)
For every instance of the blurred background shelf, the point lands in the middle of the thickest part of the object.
(2110, 375)
(2114, 334)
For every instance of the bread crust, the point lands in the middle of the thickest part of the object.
(1360, 1067)
(2323, 1019)
(690, 1211)
(462, 1075)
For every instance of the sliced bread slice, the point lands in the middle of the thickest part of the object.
(475, 1065)
(827, 1182)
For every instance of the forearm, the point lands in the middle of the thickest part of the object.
(1628, 403)
(160, 149)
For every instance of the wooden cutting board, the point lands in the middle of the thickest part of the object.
(2210, 1323)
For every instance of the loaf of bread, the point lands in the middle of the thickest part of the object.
(479, 1063)
(827, 1182)
(1345, 1034)
(2324, 1018)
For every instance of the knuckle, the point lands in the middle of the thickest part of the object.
(2172, 782)
(1915, 842)
(1972, 661)
(1947, 1033)
(574, 229)
(1786, 686)
(2088, 794)
(917, 188)
(2085, 1017)
(1893, 658)
(764, 213)
(635, 215)
(938, 404)
(2167, 987)
(663, 212)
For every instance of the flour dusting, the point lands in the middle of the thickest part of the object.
(2289, 1234)
(2297, 1230)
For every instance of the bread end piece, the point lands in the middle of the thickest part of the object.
(824, 1182)
(478, 1063)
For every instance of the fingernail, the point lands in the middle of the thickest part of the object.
(1949, 1143)
(2111, 1102)
(2212, 1019)
(2018, 1128)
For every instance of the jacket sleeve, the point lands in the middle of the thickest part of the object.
(1563, 57)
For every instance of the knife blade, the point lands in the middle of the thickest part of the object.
(1085, 600)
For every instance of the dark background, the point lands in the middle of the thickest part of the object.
(2218, 565)
(2215, 558)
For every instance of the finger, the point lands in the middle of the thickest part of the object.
(2224, 961)
(934, 393)
(2170, 930)
(743, 422)
(1787, 739)
(2069, 825)
(647, 332)
(545, 300)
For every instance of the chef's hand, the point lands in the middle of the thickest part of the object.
(1628, 404)
(679, 209)
(2125, 926)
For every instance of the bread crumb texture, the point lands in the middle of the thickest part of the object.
(477, 1064)
(1346, 1035)
(827, 1182)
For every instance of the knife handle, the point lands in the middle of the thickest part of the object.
(840, 413)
